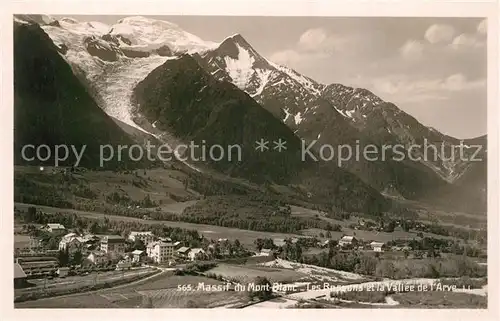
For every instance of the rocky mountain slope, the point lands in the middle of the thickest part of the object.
(182, 98)
(336, 115)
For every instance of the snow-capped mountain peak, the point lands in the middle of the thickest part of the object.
(141, 33)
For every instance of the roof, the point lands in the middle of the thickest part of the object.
(55, 225)
(197, 250)
(89, 237)
(69, 235)
(160, 243)
(98, 253)
(183, 249)
(140, 233)
(347, 238)
(265, 250)
(137, 252)
(113, 238)
(279, 242)
(177, 243)
(18, 271)
(374, 243)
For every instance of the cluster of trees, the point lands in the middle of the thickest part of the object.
(209, 186)
(83, 191)
(70, 259)
(28, 191)
(253, 212)
(461, 233)
(125, 200)
(434, 246)
(224, 249)
(195, 268)
(264, 289)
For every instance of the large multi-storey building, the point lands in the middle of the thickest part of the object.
(113, 244)
(160, 251)
(145, 237)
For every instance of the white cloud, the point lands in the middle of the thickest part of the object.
(439, 33)
(402, 88)
(459, 82)
(286, 57)
(412, 49)
(482, 27)
(465, 39)
(315, 44)
(312, 39)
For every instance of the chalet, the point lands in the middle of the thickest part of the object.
(19, 276)
(183, 251)
(177, 244)
(72, 243)
(55, 228)
(377, 246)
(347, 241)
(62, 272)
(138, 256)
(279, 242)
(196, 254)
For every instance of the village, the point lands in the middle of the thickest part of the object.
(84, 253)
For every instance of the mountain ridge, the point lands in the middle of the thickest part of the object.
(332, 114)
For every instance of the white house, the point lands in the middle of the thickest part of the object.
(160, 251)
(55, 228)
(196, 254)
(137, 255)
(377, 246)
(146, 237)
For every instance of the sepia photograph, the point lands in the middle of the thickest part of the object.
(241, 162)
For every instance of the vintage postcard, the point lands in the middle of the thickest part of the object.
(183, 159)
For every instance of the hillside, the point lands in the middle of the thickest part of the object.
(52, 107)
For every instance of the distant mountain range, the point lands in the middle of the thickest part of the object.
(161, 80)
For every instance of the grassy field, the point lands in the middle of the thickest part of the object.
(247, 273)
(440, 299)
(178, 207)
(162, 289)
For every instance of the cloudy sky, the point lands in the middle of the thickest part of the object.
(432, 68)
